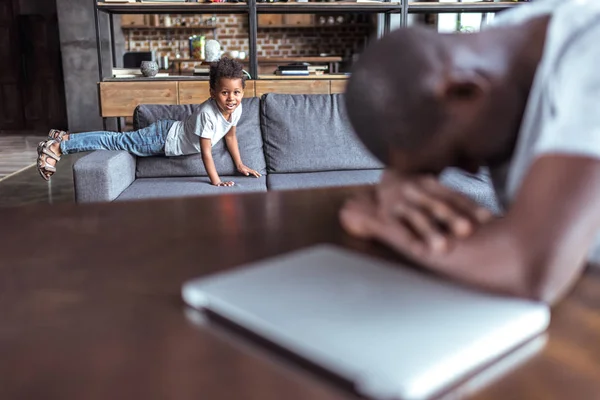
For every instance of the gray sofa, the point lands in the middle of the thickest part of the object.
(295, 141)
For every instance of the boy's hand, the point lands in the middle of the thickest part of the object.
(227, 183)
(248, 171)
(416, 213)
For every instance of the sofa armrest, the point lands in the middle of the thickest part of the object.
(103, 175)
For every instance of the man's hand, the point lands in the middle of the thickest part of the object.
(413, 214)
(248, 171)
(227, 183)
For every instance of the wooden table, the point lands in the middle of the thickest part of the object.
(96, 313)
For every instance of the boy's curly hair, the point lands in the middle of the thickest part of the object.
(226, 68)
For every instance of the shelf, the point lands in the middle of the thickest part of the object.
(191, 60)
(316, 59)
(166, 28)
(345, 24)
(275, 60)
(162, 78)
(328, 7)
(301, 8)
(177, 78)
(173, 8)
(422, 8)
(306, 77)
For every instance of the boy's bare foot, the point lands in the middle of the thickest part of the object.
(48, 155)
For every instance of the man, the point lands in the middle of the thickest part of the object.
(522, 98)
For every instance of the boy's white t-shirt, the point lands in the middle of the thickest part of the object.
(563, 110)
(206, 122)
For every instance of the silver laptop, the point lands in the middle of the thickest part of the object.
(392, 331)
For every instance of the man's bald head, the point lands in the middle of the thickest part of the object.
(422, 101)
(391, 95)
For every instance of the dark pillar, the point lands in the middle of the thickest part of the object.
(80, 65)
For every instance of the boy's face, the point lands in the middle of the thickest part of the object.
(228, 94)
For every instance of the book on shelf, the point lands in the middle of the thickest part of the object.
(158, 75)
(201, 71)
(117, 72)
(293, 68)
(301, 69)
(292, 73)
(119, 1)
(317, 68)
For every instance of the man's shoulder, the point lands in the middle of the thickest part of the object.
(523, 13)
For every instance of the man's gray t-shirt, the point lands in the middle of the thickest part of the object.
(206, 122)
(563, 109)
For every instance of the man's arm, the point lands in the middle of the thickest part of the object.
(234, 150)
(209, 164)
(537, 250)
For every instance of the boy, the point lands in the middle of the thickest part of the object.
(521, 98)
(214, 119)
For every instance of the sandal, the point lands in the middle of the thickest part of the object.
(46, 170)
(57, 134)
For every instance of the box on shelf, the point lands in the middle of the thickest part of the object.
(134, 20)
(301, 69)
(202, 71)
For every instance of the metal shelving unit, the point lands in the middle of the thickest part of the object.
(252, 9)
(476, 7)
(172, 8)
(328, 7)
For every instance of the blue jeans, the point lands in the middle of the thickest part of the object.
(149, 141)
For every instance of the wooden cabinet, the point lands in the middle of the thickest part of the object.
(292, 87)
(338, 85)
(119, 99)
(198, 92)
(285, 21)
(265, 20)
(193, 92)
(299, 20)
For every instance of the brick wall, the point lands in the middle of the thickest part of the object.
(232, 33)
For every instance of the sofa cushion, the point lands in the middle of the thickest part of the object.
(306, 180)
(248, 134)
(188, 186)
(310, 133)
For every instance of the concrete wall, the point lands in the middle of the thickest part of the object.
(80, 61)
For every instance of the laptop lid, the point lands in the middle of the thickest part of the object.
(392, 331)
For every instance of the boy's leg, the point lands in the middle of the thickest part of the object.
(149, 141)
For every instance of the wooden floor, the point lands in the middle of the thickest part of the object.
(22, 185)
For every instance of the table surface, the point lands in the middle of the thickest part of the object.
(96, 313)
